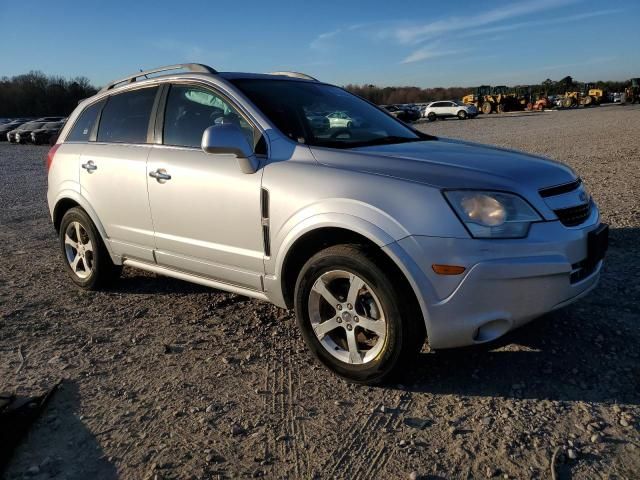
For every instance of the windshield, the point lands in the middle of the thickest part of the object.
(324, 115)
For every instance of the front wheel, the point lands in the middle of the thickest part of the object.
(431, 117)
(85, 257)
(353, 317)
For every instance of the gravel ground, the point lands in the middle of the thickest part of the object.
(163, 379)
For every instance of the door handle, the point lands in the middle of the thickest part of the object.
(90, 166)
(160, 175)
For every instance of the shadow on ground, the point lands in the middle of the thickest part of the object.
(60, 445)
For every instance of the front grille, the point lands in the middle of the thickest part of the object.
(572, 216)
(560, 189)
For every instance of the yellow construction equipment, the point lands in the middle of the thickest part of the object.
(589, 96)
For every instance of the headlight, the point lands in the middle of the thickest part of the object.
(492, 214)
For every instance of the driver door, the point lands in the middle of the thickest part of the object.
(206, 214)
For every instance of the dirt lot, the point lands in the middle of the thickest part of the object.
(163, 379)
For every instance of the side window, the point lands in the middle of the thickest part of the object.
(81, 131)
(125, 117)
(191, 110)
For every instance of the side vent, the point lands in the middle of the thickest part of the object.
(264, 208)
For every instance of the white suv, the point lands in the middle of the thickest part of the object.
(449, 108)
(379, 236)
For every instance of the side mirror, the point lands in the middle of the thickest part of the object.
(229, 138)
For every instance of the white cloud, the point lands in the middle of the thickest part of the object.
(322, 41)
(540, 23)
(430, 51)
(418, 33)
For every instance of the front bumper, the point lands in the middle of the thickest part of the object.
(506, 282)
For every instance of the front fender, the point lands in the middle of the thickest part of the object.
(418, 281)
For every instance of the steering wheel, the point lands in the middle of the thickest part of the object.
(341, 131)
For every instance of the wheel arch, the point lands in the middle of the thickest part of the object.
(313, 240)
(70, 199)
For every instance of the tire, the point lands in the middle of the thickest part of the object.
(502, 108)
(349, 124)
(98, 270)
(486, 108)
(588, 100)
(462, 115)
(431, 117)
(567, 102)
(398, 338)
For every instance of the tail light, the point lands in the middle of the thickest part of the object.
(51, 154)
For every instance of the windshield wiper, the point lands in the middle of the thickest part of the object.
(389, 140)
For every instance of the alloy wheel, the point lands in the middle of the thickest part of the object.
(79, 250)
(347, 317)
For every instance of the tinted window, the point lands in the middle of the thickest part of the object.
(125, 117)
(191, 110)
(81, 131)
(306, 112)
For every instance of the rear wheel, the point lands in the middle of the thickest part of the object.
(431, 116)
(567, 102)
(487, 107)
(85, 257)
(355, 320)
(462, 115)
(502, 108)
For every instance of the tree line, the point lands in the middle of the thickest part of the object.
(36, 94)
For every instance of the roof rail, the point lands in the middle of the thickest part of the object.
(303, 76)
(192, 67)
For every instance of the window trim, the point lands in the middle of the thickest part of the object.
(162, 106)
(149, 122)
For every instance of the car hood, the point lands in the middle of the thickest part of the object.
(447, 163)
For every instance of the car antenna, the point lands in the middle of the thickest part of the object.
(145, 75)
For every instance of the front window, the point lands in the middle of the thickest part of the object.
(323, 115)
(191, 110)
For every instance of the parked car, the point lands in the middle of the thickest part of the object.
(379, 237)
(46, 133)
(319, 121)
(406, 115)
(449, 108)
(5, 128)
(342, 120)
(22, 134)
(413, 112)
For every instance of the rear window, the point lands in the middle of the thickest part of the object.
(125, 117)
(81, 131)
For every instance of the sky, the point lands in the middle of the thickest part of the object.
(423, 43)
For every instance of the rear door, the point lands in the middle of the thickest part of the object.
(451, 109)
(113, 174)
(438, 109)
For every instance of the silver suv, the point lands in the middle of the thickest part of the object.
(378, 235)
